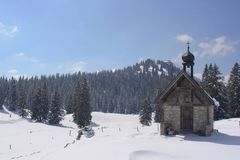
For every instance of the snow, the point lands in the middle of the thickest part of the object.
(216, 103)
(118, 137)
(141, 67)
(150, 69)
(165, 71)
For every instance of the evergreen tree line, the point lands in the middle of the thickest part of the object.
(118, 91)
(44, 104)
(228, 95)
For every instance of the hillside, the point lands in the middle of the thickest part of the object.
(117, 91)
(121, 91)
(119, 137)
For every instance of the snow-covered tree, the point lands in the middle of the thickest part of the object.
(40, 105)
(212, 82)
(3, 91)
(44, 102)
(145, 114)
(22, 105)
(233, 88)
(119, 91)
(82, 110)
(157, 117)
(36, 106)
(69, 104)
(13, 95)
(56, 112)
(205, 77)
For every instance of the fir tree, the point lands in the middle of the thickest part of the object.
(44, 102)
(13, 95)
(22, 101)
(40, 106)
(220, 95)
(111, 107)
(205, 77)
(69, 105)
(145, 114)
(157, 117)
(3, 91)
(233, 88)
(82, 110)
(2, 97)
(56, 111)
(212, 82)
(36, 106)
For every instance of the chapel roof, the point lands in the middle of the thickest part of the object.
(170, 88)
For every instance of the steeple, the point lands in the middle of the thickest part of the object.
(188, 60)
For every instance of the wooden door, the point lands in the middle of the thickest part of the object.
(186, 118)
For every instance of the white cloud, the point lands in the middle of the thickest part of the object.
(198, 75)
(15, 73)
(32, 60)
(72, 67)
(226, 78)
(184, 38)
(178, 59)
(20, 54)
(140, 60)
(8, 30)
(219, 46)
(14, 29)
(76, 67)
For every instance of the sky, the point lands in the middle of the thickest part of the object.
(66, 36)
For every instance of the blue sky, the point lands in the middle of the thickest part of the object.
(64, 36)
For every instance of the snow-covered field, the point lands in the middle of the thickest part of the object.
(117, 137)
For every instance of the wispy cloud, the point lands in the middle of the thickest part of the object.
(20, 54)
(14, 29)
(15, 73)
(178, 59)
(226, 78)
(219, 46)
(72, 67)
(34, 61)
(8, 30)
(140, 59)
(198, 75)
(184, 38)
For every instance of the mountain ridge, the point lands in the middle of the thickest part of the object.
(118, 91)
(133, 83)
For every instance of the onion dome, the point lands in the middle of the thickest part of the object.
(188, 57)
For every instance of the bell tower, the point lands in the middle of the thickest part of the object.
(188, 60)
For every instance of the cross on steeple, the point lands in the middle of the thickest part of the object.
(188, 60)
(188, 43)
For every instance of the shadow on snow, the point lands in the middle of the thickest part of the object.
(216, 137)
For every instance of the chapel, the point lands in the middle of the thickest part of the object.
(185, 107)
